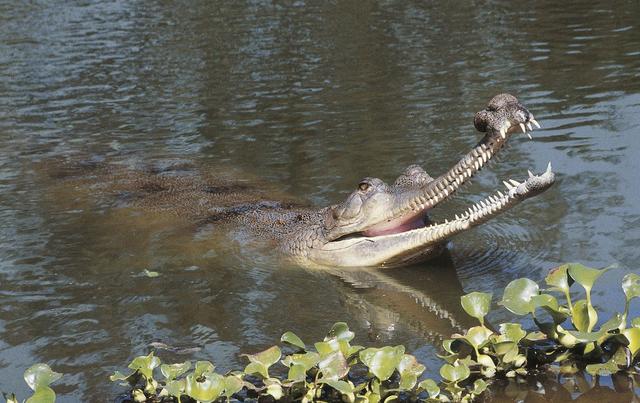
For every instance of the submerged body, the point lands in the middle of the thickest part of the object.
(377, 225)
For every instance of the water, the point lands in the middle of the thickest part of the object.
(308, 98)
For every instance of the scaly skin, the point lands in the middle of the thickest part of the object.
(382, 225)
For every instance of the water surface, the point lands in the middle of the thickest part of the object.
(307, 98)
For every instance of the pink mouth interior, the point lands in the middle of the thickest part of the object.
(397, 226)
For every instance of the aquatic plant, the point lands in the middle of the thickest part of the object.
(38, 377)
(335, 370)
(568, 338)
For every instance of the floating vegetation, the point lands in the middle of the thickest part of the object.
(38, 377)
(568, 339)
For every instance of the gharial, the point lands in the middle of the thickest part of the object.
(378, 224)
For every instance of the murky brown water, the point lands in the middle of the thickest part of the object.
(310, 97)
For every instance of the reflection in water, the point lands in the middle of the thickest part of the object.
(310, 98)
(405, 297)
(552, 387)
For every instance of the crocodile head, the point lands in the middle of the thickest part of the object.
(381, 224)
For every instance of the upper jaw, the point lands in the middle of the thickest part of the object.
(503, 117)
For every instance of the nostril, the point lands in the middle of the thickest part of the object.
(480, 121)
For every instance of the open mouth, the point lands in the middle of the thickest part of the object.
(480, 211)
(416, 219)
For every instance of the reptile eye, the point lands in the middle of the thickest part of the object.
(364, 186)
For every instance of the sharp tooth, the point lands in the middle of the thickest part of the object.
(535, 122)
(529, 135)
(514, 183)
(549, 167)
(522, 127)
(476, 165)
(529, 126)
(531, 175)
(503, 133)
(469, 172)
(500, 193)
(508, 185)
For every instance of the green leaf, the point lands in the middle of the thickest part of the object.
(172, 371)
(550, 304)
(518, 294)
(256, 368)
(409, 370)
(476, 304)
(622, 357)
(260, 362)
(145, 364)
(40, 375)
(267, 357)
(431, 387)
(503, 347)
(614, 322)
(334, 366)
(150, 274)
(119, 376)
(605, 369)
(485, 361)
(382, 361)
(584, 316)
(341, 386)
(631, 286)
(633, 336)
(455, 373)
(297, 373)
(293, 339)
(332, 345)
(275, 390)
(477, 336)
(306, 360)
(585, 337)
(202, 367)
(340, 331)
(205, 388)
(585, 276)
(535, 336)
(447, 345)
(479, 386)
(175, 388)
(43, 394)
(372, 397)
(511, 332)
(558, 279)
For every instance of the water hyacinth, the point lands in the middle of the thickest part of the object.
(569, 337)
